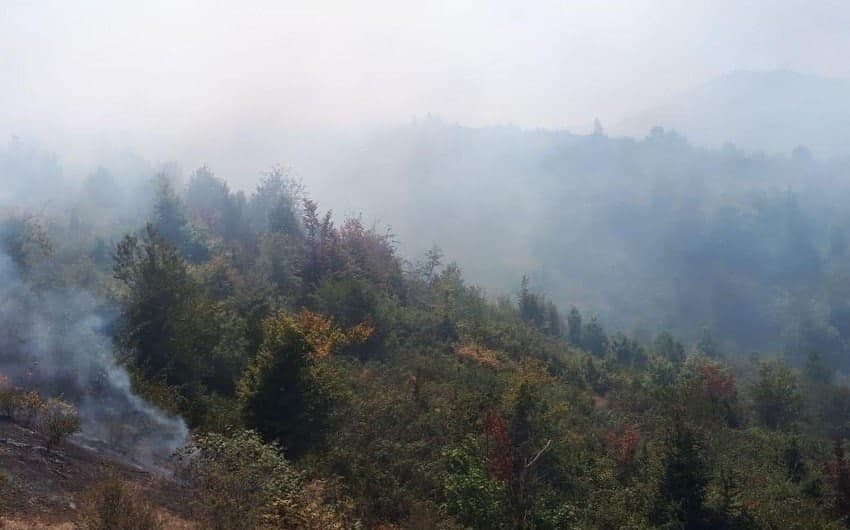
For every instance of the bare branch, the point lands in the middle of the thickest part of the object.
(539, 454)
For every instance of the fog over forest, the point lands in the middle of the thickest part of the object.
(648, 234)
(451, 265)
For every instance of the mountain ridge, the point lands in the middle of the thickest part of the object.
(774, 111)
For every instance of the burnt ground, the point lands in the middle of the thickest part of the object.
(44, 488)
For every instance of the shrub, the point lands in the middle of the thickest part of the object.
(4, 483)
(238, 478)
(57, 420)
(242, 483)
(472, 494)
(7, 397)
(116, 505)
(26, 407)
(309, 510)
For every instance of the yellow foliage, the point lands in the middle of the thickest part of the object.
(532, 371)
(478, 354)
(26, 406)
(531, 374)
(310, 509)
(324, 336)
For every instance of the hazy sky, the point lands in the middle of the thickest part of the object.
(191, 78)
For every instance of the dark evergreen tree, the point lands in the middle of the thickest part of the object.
(574, 327)
(683, 480)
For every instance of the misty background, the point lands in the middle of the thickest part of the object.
(659, 165)
(242, 86)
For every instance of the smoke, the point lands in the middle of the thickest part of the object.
(52, 338)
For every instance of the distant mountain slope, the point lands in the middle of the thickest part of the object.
(773, 111)
(648, 234)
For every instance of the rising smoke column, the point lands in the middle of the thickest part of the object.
(52, 339)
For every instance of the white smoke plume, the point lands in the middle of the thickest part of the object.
(52, 338)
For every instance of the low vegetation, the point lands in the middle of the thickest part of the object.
(57, 420)
(117, 505)
(4, 486)
(53, 418)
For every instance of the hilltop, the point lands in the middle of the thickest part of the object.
(774, 111)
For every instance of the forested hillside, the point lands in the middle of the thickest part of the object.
(329, 383)
(648, 234)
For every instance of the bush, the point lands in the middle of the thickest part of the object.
(116, 505)
(242, 483)
(7, 397)
(238, 479)
(472, 495)
(57, 420)
(4, 483)
(26, 406)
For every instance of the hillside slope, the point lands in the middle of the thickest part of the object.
(44, 489)
(648, 234)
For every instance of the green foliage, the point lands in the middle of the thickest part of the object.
(287, 390)
(171, 224)
(776, 397)
(24, 240)
(668, 347)
(539, 312)
(833, 410)
(816, 371)
(238, 478)
(211, 205)
(242, 483)
(275, 390)
(175, 331)
(593, 338)
(274, 206)
(402, 396)
(350, 302)
(683, 482)
(574, 327)
(706, 345)
(626, 351)
(472, 494)
(157, 287)
(277, 264)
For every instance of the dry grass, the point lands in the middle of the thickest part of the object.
(479, 354)
(168, 520)
(31, 524)
(600, 402)
(117, 505)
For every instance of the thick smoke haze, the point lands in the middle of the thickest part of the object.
(470, 125)
(241, 86)
(54, 339)
(433, 264)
